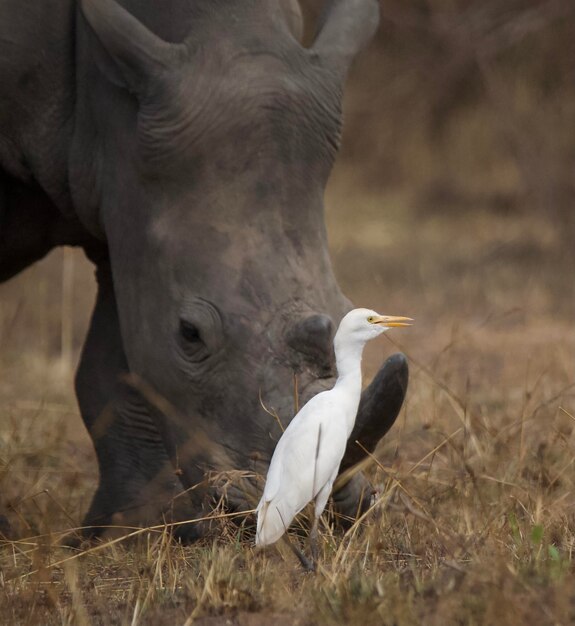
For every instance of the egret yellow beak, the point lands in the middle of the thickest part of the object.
(391, 321)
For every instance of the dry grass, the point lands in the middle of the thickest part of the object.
(464, 222)
(474, 523)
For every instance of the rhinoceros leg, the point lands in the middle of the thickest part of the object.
(379, 407)
(137, 480)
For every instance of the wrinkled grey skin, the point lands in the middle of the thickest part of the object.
(185, 145)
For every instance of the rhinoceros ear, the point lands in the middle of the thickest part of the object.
(293, 17)
(136, 52)
(346, 26)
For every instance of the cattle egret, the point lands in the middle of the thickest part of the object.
(306, 460)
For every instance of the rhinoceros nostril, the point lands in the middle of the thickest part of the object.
(312, 336)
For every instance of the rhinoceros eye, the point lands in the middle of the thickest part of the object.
(198, 332)
(189, 332)
(191, 343)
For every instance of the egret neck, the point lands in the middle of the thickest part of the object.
(348, 353)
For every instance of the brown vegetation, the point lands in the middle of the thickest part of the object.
(452, 203)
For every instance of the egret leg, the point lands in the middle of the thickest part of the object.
(313, 542)
(320, 502)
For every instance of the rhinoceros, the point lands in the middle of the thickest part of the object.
(185, 145)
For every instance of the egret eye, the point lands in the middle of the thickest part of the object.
(371, 319)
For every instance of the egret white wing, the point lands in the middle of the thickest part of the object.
(308, 453)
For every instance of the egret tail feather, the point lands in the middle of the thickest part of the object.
(271, 525)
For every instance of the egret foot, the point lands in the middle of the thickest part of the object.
(309, 566)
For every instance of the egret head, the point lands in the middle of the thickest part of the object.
(361, 325)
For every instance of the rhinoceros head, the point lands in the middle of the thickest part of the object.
(213, 154)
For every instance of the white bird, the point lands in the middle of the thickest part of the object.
(306, 460)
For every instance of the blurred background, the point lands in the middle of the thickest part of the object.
(452, 202)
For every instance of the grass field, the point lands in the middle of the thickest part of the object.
(452, 203)
(475, 518)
